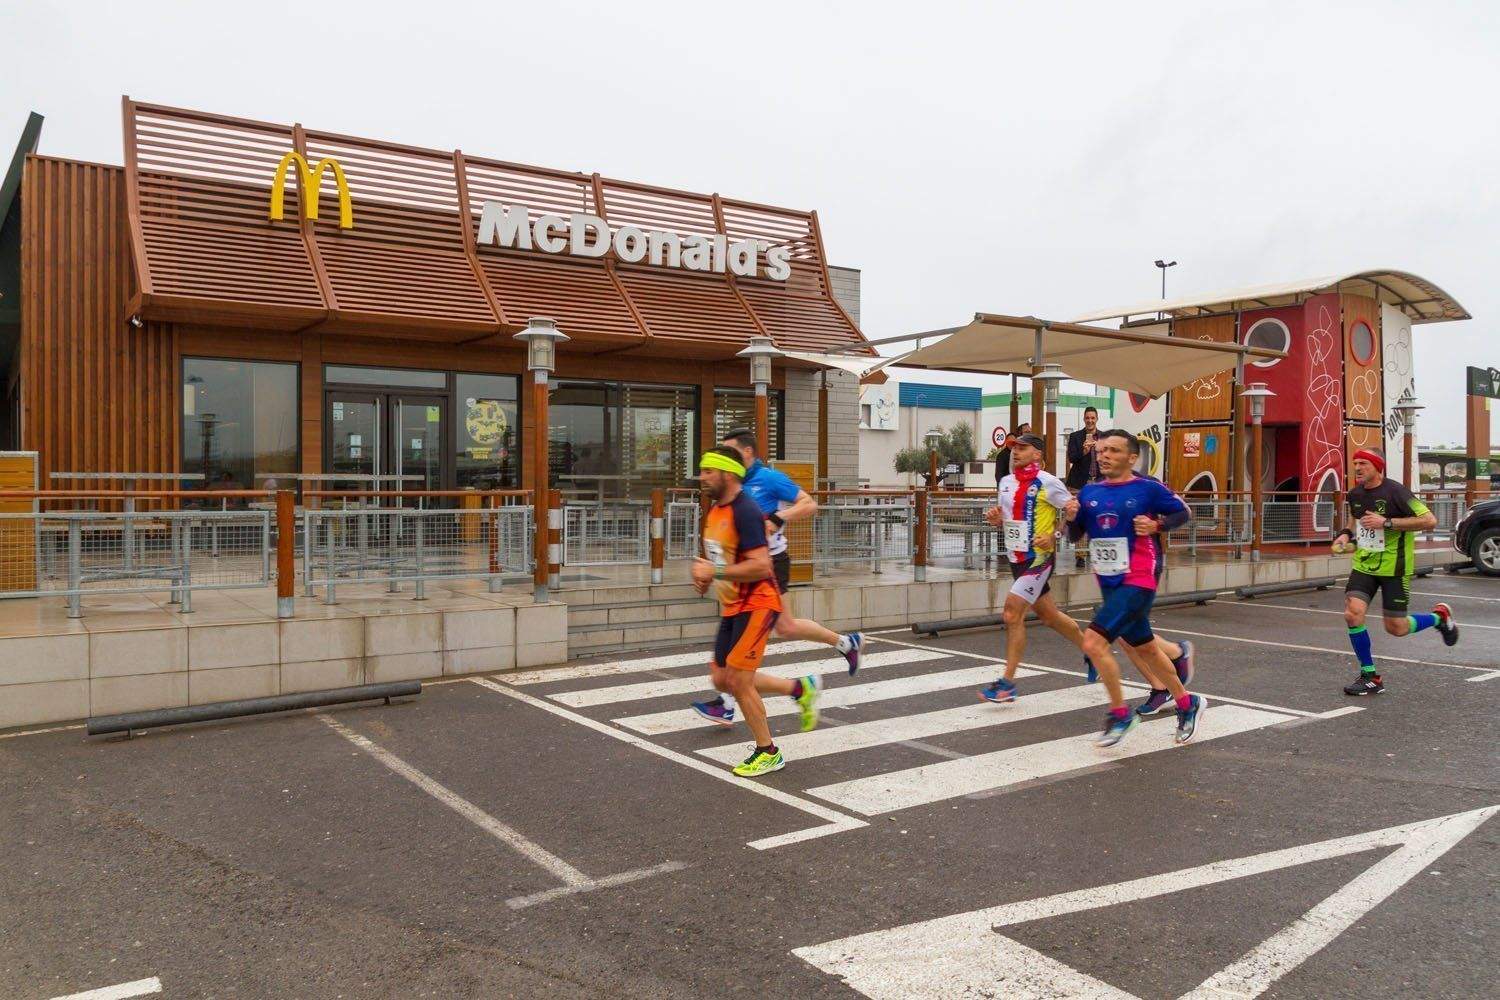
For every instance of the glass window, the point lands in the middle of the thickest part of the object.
(405, 377)
(658, 437)
(734, 408)
(239, 422)
(583, 437)
(1362, 344)
(1270, 333)
(488, 427)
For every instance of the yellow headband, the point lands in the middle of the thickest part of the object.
(713, 460)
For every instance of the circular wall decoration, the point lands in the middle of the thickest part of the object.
(1362, 343)
(485, 421)
(1269, 333)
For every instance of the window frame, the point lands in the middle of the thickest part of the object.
(182, 363)
(1272, 321)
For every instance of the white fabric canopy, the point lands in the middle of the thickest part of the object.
(858, 365)
(1144, 363)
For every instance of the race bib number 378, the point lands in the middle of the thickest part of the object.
(1369, 539)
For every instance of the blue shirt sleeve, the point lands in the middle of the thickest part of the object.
(1169, 507)
(782, 487)
(749, 525)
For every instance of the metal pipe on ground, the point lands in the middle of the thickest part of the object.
(1259, 589)
(127, 722)
(1459, 567)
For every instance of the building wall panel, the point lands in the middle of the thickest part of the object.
(98, 393)
(1206, 399)
(1363, 394)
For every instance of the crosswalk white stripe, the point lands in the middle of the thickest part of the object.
(607, 669)
(883, 793)
(863, 735)
(699, 682)
(677, 720)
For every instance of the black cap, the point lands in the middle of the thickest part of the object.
(1035, 440)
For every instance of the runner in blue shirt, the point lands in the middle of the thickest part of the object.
(781, 501)
(1125, 563)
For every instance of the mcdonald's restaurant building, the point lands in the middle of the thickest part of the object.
(249, 301)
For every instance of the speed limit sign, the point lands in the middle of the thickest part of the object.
(998, 437)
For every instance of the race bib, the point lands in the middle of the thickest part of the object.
(715, 552)
(1369, 539)
(1109, 556)
(1016, 539)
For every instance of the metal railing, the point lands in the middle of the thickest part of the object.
(72, 552)
(1449, 507)
(956, 528)
(399, 545)
(609, 533)
(683, 518)
(863, 527)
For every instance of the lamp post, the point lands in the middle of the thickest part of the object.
(1408, 407)
(933, 438)
(1049, 378)
(1163, 265)
(1256, 393)
(541, 338)
(759, 354)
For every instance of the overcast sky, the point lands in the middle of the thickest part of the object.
(1027, 159)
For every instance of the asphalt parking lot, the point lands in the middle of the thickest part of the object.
(577, 833)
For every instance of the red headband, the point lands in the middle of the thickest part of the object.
(1372, 457)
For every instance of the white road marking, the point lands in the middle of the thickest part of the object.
(1311, 649)
(38, 732)
(589, 697)
(967, 955)
(574, 880)
(981, 715)
(1319, 611)
(696, 658)
(1456, 597)
(834, 821)
(122, 991)
(679, 719)
(918, 786)
(1483, 677)
(1132, 685)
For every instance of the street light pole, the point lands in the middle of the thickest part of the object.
(1050, 378)
(759, 354)
(541, 338)
(1256, 392)
(1163, 265)
(1408, 407)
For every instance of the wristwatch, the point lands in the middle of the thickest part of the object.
(1388, 524)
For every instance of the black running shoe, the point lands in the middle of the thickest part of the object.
(1446, 626)
(1365, 684)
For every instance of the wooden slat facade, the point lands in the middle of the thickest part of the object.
(97, 393)
(1207, 399)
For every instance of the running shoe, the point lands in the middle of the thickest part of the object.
(1365, 684)
(759, 762)
(715, 712)
(856, 640)
(1115, 729)
(1158, 701)
(999, 692)
(808, 703)
(1093, 675)
(1445, 623)
(1184, 664)
(1187, 721)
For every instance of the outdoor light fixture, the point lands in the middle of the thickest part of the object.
(759, 353)
(933, 438)
(541, 338)
(1257, 393)
(1050, 377)
(1408, 407)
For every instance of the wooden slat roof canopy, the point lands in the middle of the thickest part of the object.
(205, 251)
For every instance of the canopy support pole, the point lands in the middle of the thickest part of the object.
(1038, 411)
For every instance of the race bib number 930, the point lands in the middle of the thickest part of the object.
(1109, 556)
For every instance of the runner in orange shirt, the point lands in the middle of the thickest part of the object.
(738, 568)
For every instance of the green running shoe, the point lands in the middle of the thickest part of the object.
(759, 762)
(808, 702)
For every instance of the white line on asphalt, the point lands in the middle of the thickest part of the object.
(863, 735)
(918, 786)
(1483, 677)
(696, 658)
(1133, 685)
(1310, 649)
(530, 850)
(676, 720)
(121, 991)
(965, 954)
(1456, 597)
(607, 882)
(1318, 611)
(589, 697)
(835, 821)
(38, 732)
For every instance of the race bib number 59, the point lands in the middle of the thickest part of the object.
(1015, 536)
(1109, 556)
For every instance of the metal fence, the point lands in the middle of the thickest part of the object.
(1298, 518)
(868, 530)
(71, 553)
(397, 545)
(956, 529)
(605, 534)
(1217, 522)
(683, 517)
(1448, 508)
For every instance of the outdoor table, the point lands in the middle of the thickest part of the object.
(969, 531)
(130, 479)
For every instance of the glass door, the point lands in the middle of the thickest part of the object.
(418, 436)
(354, 435)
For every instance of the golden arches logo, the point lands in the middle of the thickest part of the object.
(309, 182)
